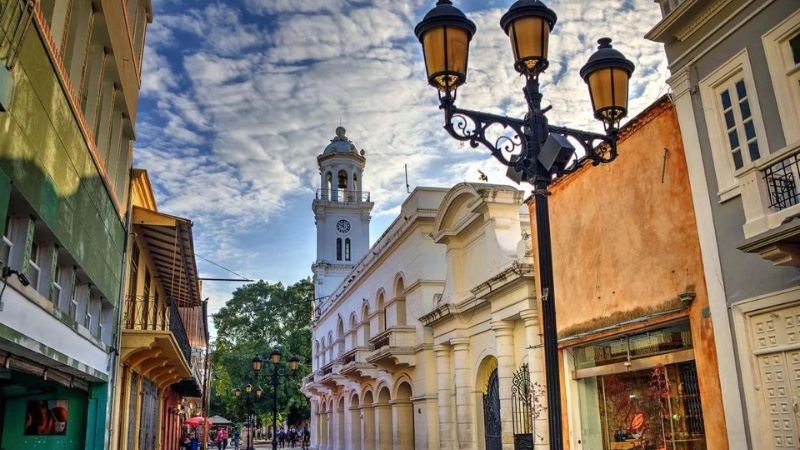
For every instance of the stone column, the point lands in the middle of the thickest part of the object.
(533, 341)
(368, 427)
(504, 344)
(355, 429)
(444, 381)
(314, 424)
(464, 388)
(330, 424)
(402, 424)
(322, 431)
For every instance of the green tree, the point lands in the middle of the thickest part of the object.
(259, 317)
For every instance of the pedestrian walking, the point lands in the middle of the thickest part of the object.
(306, 438)
(292, 437)
(222, 439)
(236, 436)
(281, 438)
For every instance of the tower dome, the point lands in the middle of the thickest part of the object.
(340, 144)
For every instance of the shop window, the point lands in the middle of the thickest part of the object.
(640, 392)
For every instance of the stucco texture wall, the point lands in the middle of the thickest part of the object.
(625, 245)
(43, 151)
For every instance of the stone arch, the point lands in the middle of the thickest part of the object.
(355, 423)
(343, 184)
(365, 322)
(339, 336)
(380, 307)
(328, 186)
(484, 370)
(400, 299)
(383, 419)
(369, 438)
(353, 330)
(404, 415)
(367, 397)
(329, 348)
(403, 378)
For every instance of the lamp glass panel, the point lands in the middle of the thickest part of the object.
(446, 51)
(609, 89)
(529, 40)
(293, 365)
(276, 358)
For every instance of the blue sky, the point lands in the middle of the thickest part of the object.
(239, 96)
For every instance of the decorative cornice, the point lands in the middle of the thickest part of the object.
(710, 11)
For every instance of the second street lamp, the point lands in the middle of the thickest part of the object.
(532, 149)
(276, 373)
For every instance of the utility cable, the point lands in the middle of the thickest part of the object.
(222, 267)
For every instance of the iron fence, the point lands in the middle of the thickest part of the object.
(342, 196)
(781, 179)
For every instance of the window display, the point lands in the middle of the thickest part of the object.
(656, 408)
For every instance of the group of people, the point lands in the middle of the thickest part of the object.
(223, 438)
(292, 436)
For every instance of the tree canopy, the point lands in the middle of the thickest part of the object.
(259, 317)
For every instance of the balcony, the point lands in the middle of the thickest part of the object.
(356, 367)
(771, 200)
(394, 348)
(342, 196)
(154, 339)
(329, 376)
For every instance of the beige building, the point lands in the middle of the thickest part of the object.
(418, 347)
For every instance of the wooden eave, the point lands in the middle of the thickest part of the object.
(171, 247)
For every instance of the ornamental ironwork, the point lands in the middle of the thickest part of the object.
(521, 409)
(491, 414)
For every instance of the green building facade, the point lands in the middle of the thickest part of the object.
(69, 82)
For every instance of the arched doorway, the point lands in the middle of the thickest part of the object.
(491, 413)
(403, 411)
(368, 422)
(383, 416)
(340, 437)
(355, 424)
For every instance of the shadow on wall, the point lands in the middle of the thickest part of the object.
(74, 213)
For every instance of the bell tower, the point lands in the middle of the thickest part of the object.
(341, 212)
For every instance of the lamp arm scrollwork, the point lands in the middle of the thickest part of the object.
(471, 126)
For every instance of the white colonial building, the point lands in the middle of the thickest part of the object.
(429, 339)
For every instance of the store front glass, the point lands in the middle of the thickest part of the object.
(640, 392)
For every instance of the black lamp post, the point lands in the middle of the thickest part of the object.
(533, 150)
(248, 389)
(277, 373)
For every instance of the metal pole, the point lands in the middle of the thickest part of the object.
(274, 407)
(551, 360)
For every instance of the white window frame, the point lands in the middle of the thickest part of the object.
(33, 262)
(7, 244)
(710, 87)
(55, 293)
(73, 301)
(785, 74)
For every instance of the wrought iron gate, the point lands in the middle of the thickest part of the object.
(491, 414)
(521, 409)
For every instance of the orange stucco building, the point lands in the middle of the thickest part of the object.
(638, 360)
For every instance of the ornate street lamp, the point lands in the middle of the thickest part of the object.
(276, 372)
(534, 150)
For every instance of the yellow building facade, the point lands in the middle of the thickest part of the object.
(164, 334)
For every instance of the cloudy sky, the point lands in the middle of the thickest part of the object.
(239, 96)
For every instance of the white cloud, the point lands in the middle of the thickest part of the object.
(244, 103)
